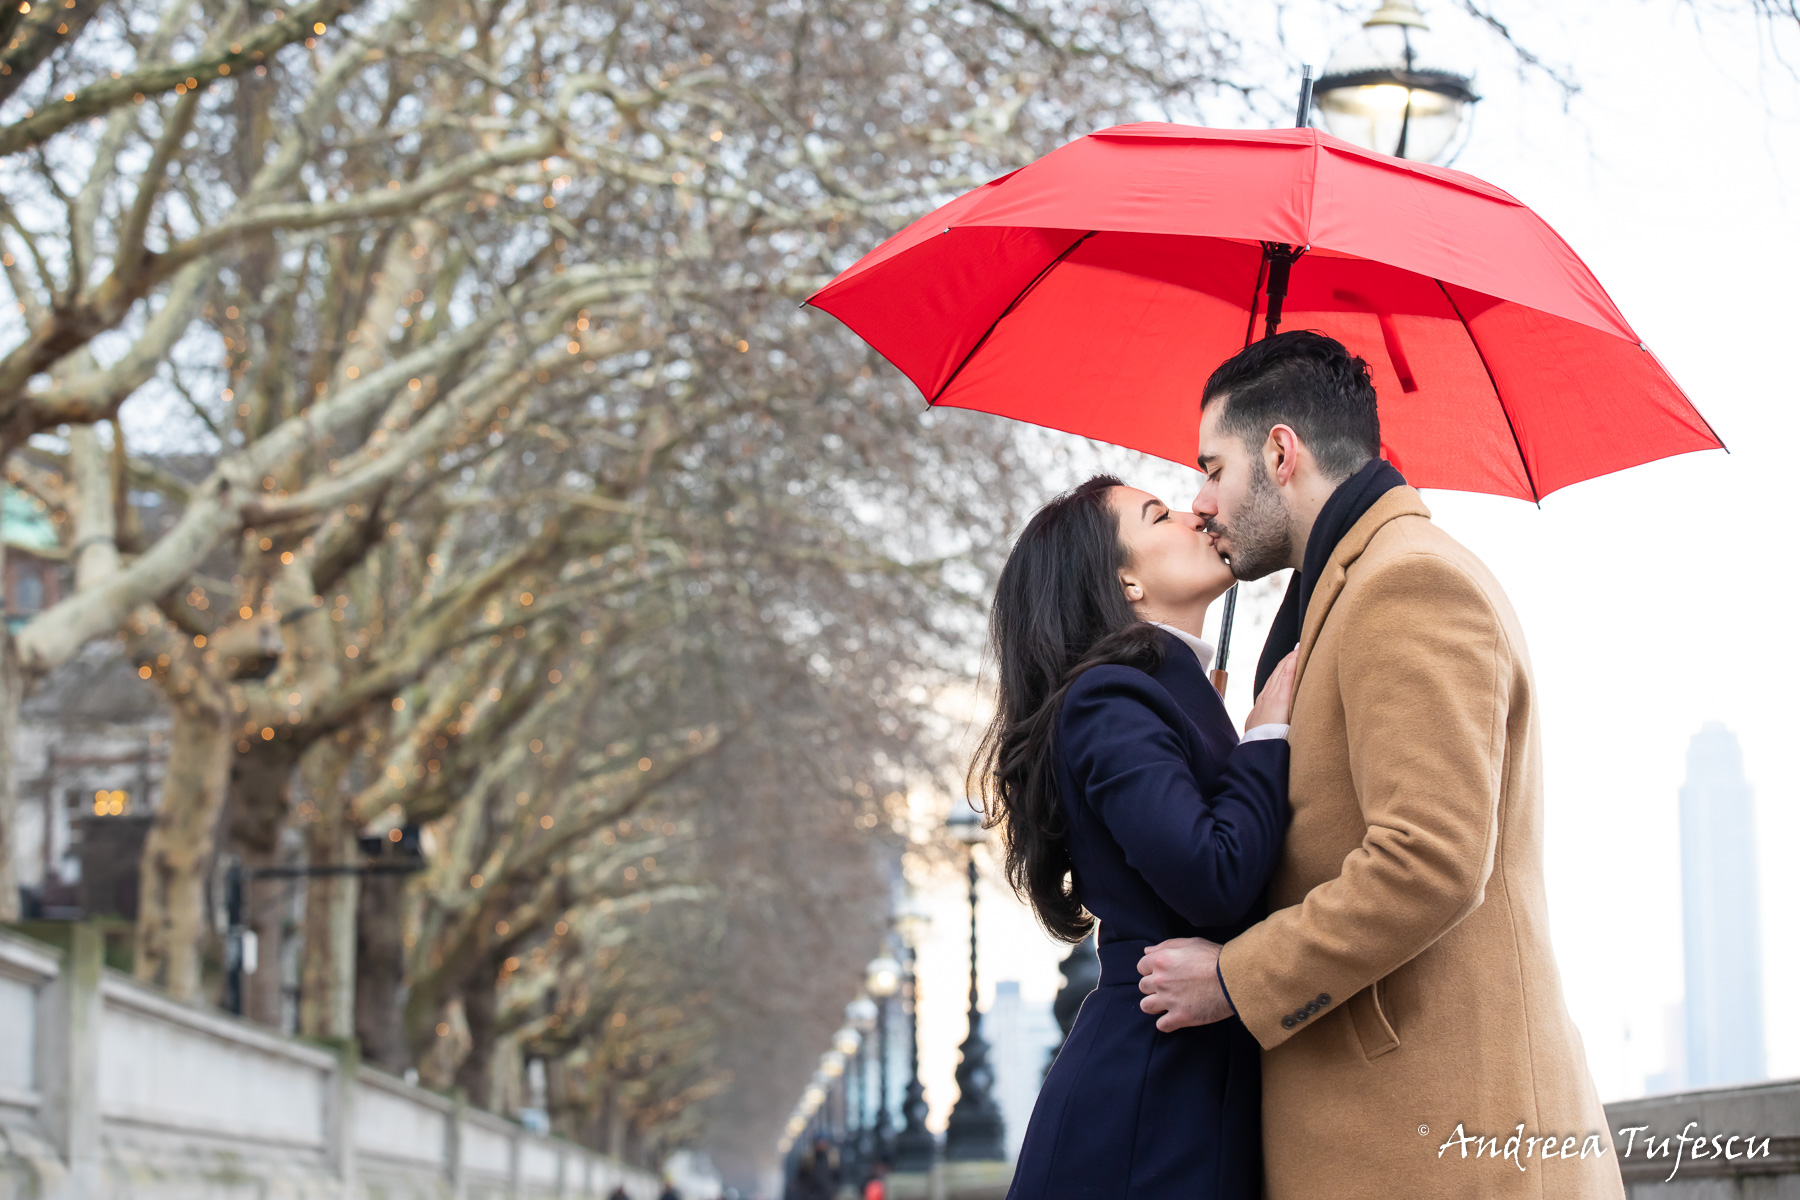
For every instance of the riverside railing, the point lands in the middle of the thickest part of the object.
(108, 1088)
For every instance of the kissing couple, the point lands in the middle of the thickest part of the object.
(1324, 945)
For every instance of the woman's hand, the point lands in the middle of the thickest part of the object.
(1277, 699)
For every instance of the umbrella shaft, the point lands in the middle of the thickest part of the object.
(1281, 262)
(1279, 255)
(1280, 258)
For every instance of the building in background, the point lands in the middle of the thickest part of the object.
(1673, 1076)
(1022, 1034)
(35, 557)
(90, 748)
(1720, 924)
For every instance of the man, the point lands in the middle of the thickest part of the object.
(1415, 1041)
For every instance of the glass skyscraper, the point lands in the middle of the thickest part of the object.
(1721, 929)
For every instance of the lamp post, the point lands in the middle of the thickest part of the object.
(914, 1148)
(976, 1131)
(831, 1075)
(848, 1044)
(860, 1015)
(1081, 975)
(1382, 91)
(395, 855)
(882, 981)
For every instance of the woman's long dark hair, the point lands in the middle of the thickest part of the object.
(1058, 610)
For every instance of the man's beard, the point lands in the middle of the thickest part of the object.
(1261, 539)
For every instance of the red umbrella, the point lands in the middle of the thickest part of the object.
(1094, 290)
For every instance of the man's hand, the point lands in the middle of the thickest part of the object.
(1181, 982)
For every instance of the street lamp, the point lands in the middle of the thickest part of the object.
(830, 1077)
(914, 1148)
(1382, 92)
(1081, 975)
(882, 981)
(976, 1131)
(859, 1019)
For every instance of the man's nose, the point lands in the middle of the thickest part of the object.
(1204, 505)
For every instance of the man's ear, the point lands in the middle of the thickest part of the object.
(1281, 453)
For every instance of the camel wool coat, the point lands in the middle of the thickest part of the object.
(1403, 985)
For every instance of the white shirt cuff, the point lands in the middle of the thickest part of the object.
(1259, 733)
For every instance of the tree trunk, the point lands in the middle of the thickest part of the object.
(480, 1007)
(328, 936)
(178, 854)
(265, 915)
(380, 973)
(256, 813)
(12, 686)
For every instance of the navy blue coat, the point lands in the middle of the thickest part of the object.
(1174, 828)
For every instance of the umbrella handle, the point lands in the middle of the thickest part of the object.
(1225, 623)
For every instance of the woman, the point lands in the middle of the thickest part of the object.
(1124, 794)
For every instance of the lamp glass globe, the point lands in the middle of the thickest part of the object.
(883, 978)
(1383, 91)
(911, 921)
(965, 824)
(861, 1013)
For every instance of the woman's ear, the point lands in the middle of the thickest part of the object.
(1134, 591)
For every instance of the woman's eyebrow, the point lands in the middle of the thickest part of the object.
(1148, 504)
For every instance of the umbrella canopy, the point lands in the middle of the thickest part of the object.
(1096, 289)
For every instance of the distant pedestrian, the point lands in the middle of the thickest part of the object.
(816, 1177)
(876, 1188)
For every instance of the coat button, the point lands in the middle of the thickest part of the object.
(1324, 999)
(1312, 1006)
(1288, 1022)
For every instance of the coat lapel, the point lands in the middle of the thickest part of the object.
(1400, 502)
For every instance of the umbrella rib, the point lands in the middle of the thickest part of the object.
(1518, 447)
(1016, 301)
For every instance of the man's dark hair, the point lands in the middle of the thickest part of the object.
(1311, 384)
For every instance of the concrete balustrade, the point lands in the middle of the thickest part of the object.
(109, 1089)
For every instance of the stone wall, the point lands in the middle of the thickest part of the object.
(1658, 1167)
(109, 1089)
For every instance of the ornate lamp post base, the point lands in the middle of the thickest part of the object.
(976, 1131)
(915, 1149)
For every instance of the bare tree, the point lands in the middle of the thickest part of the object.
(531, 511)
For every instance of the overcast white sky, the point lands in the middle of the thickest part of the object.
(1654, 600)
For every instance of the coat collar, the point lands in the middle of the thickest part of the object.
(1400, 502)
(1183, 676)
(1203, 650)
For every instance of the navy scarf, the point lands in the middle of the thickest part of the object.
(1354, 497)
